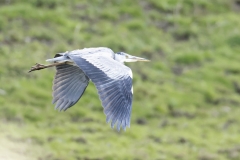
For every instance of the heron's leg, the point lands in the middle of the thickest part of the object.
(38, 66)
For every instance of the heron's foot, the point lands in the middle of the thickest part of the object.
(37, 66)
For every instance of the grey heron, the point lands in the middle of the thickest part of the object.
(105, 69)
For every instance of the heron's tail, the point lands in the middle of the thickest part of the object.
(58, 59)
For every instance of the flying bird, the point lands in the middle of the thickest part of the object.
(105, 69)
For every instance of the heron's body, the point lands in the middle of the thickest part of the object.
(106, 70)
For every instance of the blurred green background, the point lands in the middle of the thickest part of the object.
(186, 100)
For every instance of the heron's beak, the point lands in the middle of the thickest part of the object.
(135, 59)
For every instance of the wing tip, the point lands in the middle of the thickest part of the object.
(119, 125)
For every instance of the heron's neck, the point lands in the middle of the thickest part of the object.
(119, 58)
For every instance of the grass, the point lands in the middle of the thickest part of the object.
(186, 100)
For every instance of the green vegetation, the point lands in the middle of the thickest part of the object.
(186, 100)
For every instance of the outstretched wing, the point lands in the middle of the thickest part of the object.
(69, 84)
(113, 81)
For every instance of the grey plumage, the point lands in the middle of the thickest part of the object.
(68, 86)
(106, 70)
(113, 83)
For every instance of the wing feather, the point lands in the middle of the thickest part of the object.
(69, 84)
(64, 90)
(113, 82)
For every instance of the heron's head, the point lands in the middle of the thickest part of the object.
(124, 57)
